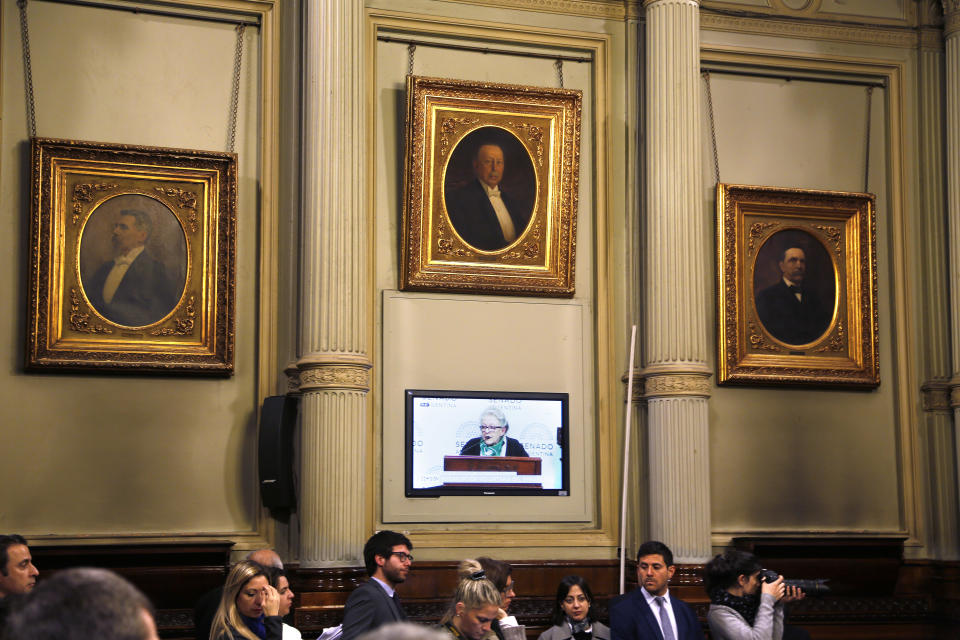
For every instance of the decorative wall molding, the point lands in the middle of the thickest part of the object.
(936, 396)
(612, 9)
(865, 34)
(955, 394)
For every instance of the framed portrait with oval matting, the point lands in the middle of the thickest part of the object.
(132, 258)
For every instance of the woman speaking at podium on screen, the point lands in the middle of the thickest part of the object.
(493, 440)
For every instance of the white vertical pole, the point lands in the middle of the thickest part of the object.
(626, 460)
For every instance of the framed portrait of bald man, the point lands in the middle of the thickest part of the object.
(490, 188)
(132, 258)
(797, 288)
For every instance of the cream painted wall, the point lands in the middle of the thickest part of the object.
(415, 352)
(800, 460)
(108, 456)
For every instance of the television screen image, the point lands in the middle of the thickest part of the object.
(486, 443)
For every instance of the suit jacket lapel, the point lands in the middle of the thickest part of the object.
(650, 618)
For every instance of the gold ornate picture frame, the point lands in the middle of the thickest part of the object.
(797, 287)
(490, 188)
(132, 260)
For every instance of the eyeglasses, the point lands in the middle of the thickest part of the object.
(510, 588)
(485, 427)
(402, 555)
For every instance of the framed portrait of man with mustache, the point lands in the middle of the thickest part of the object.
(797, 287)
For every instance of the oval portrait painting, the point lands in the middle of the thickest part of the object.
(794, 285)
(490, 188)
(133, 260)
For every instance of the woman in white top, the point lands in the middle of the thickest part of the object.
(741, 606)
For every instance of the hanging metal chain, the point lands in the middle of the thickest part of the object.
(713, 130)
(27, 71)
(235, 94)
(866, 161)
(411, 52)
(559, 65)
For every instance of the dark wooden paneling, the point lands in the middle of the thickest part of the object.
(919, 600)
(172, 575)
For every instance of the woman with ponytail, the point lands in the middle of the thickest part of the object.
(474, 605)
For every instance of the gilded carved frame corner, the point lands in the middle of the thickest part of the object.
(781, 322)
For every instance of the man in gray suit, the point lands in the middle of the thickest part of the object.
(375, 602)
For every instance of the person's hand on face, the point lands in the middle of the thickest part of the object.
(271, 601)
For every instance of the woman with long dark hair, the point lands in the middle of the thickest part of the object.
(742, 607)
(572, 617)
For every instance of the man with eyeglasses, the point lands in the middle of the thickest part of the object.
(375, 603)
(493, 440)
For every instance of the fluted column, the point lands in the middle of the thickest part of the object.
(334, 362)
(677, 265)
(951, 33)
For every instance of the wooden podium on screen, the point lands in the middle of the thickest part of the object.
(494, 464)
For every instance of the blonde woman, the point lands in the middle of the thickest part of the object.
(474, 606)
(249, 608)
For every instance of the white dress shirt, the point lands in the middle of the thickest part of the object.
(503, 216)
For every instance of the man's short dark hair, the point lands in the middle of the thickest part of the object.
(783, 254)
(381, 544)
(77, 604)
(7, 541)
(653, 548)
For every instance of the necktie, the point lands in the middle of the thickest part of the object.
(665, 625)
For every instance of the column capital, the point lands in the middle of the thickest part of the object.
(955, 393)
(689, 379)
(951, 17)
(696, 3)
(936, 396)
(334, 372)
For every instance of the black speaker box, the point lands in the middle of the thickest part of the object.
(278, 418)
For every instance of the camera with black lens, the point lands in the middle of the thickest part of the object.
(814, 587)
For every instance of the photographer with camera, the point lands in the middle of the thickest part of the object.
(742, 605)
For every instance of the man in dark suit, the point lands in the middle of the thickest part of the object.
(493, 440)
(375, 602)
(18, 576)
(483, 215)
(648, 612)
(132, 289)
(790, 311)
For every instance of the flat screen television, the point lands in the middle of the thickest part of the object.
(486, 443)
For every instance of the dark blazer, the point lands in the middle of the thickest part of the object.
(632, 619)
(514, 448)
(204, 612)
(368, 608)
(475, 220)
(143, 296)
(789, 319)
(272, 624)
